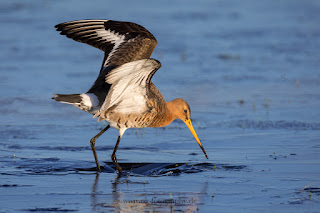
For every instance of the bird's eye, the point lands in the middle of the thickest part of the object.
(185, 111)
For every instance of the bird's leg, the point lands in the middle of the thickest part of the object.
(113, 156)
(92, 143)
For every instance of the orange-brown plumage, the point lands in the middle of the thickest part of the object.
(123, 93)
(178, 109)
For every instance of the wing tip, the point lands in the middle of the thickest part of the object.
(156, 62)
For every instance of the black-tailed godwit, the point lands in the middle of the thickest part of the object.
(123, 93)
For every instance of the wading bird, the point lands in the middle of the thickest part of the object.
(123, 93)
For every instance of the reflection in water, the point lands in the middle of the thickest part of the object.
(93, 192)
(119, 201)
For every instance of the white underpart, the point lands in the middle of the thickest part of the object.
(90, 100)
(121, 131)
(129, 86)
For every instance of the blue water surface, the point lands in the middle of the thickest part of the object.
(249, 70)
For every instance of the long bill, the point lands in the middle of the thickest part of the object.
(189, 125)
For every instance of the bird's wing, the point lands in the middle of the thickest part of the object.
(130, 85)
(122, 42)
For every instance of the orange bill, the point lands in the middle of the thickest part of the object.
(189, 124)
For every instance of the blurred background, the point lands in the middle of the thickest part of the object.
(249, 70)
(217, 52)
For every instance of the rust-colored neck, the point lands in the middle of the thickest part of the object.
(170, 115)
(166, 116)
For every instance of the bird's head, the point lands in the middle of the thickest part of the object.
(182, 111)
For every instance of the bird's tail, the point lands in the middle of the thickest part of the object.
(87, 102)
(68, 99)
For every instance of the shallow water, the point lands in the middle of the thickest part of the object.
(249, 70)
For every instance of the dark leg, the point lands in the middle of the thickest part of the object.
(93, 141)
(113, 156)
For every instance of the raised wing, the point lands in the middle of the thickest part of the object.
(130, 84)
(122, 42)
